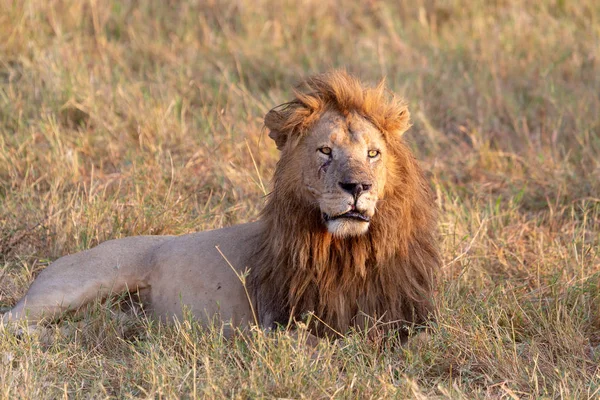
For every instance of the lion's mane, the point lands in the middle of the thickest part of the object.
(386, 274)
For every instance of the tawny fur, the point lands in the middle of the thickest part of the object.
(386, 274)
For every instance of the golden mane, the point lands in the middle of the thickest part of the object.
(342, 92)
(386, 274)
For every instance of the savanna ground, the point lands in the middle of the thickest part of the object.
(123, 118)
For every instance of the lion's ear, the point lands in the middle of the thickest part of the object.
(400, 122)
(275, 121)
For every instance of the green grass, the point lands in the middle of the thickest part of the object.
(123, 118)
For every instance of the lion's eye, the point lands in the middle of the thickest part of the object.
(325, 150)
(373, 153)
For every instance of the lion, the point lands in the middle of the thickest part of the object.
(347, 236)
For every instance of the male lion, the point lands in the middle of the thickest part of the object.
(348, 232)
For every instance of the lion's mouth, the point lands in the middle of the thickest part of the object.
(350, 215)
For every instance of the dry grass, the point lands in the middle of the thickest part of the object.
(130, 117)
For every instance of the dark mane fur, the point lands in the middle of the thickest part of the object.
(386, 274)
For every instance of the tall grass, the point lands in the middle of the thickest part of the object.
(123, 118)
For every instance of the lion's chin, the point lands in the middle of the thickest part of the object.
(346, 227)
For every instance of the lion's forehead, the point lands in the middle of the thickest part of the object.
(346, 131)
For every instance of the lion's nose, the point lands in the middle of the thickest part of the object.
(355, 188)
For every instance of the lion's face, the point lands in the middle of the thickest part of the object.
(344, 171)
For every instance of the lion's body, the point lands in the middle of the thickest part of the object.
(348, 232)
(170, 273)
